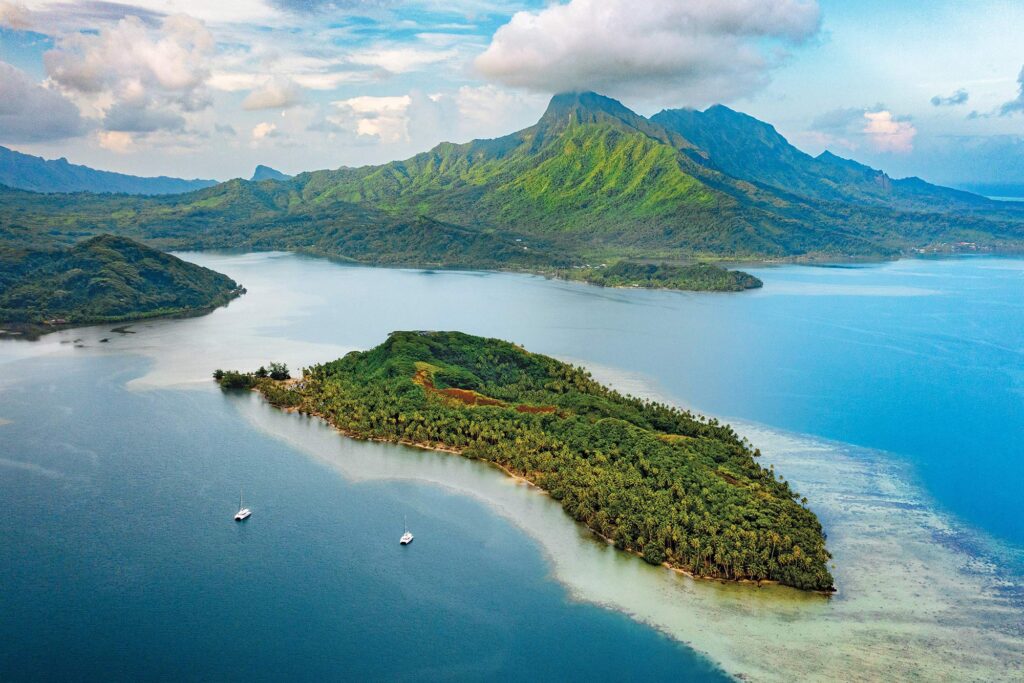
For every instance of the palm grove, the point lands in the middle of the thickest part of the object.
(655, 480)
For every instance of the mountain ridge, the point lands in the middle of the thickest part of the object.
(591, 181)
(36, 174)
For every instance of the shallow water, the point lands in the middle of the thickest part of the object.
(921, 358)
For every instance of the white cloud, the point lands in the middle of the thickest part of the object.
(15, 15)
(131, 70)
(51, 16)
(887, 133)
(116, 141)
(696, 52)
(30, 112)
(276, 93)
(263, 130)
(400, 60)
(381, 117)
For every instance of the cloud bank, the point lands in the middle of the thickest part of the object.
(135, 77)
(694, 52)
(31, 113)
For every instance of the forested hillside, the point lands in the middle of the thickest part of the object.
(591, 182)
(655, 480)
(103, 279)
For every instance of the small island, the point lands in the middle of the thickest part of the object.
(695, 277)
(103, 279)
(673, 487)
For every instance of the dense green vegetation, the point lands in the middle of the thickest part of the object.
(753, 150)
(698, 277)
(591, 181)
(102, 279)
(654, 479)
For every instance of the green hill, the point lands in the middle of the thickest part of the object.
(103, 279)
(661, 482)
(590, 182)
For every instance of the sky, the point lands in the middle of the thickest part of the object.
(195, 88)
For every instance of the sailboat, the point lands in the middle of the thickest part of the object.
(243, 512)
(407, 536)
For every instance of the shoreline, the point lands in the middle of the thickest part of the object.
(35, 331)
(448, 450)
(918, 594)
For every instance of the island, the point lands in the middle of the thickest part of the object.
(675, 488)
(103, 279)
(695, 277)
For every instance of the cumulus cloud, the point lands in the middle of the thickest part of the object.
(382, 117)
(15, 15)
(264, 130)
(959, 97)
(30, 112)
(695, 52)
(853, 127)
(276, 93)
(137, 77)
(116, 141)
(887, 133)
(1017, 104)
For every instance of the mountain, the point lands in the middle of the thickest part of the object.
(103, 279)
(752, 150)
(26, 172)
(266, 173)
(590, 182)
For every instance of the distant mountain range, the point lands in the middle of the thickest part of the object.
(590, 181)
(27, 172)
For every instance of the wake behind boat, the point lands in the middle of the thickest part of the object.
(243, 512)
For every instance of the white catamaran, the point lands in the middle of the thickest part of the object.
(407, 536)
(243, 512)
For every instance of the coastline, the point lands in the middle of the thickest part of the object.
(34, 331)
(448, 450)
(910, 607)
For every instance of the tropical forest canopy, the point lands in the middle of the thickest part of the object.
(103, 279)
(656, 480)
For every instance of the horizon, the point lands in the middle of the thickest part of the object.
(213, 92)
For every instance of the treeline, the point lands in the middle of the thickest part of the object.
(700, 277)
(654, 479)
(232, 379)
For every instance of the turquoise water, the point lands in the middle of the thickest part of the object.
(120, 561)
(120, 465)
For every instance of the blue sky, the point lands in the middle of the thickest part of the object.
(200, 89)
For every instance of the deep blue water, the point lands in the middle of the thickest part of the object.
(116, 547)
(922, 358)
(119, 559)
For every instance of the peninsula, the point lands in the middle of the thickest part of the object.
(103, 279)
(668, 485)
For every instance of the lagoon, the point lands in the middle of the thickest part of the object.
(889, 394)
